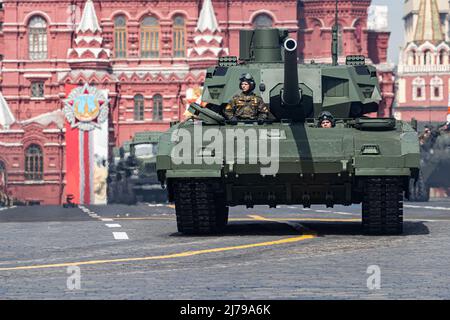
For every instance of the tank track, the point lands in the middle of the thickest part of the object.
(199, 208)
(382, 208)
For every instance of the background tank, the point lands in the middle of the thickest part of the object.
(434, 164)
(117, 173)
(133, 177)
(360, 160)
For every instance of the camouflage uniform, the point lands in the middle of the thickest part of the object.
(246, 107)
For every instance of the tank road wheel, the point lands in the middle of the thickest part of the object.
(199, 208)
(382, 207)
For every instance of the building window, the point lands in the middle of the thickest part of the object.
(179, 41)
(37, 30)
(34, 163)
(418, 89)
(120, 37)
(442, 57)
(437, 89)
(37, 89)
(427, 58)
(419, 92)
(436, 92)
(139, 107)
(157, 108)
(262, 21)
(412, 58)
(150, 38)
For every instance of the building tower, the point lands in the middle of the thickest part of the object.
(357, 36)
(424, 66)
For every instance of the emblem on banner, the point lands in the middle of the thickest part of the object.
(86, 108)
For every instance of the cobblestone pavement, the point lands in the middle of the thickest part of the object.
(134, 252)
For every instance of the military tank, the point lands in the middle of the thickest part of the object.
(209, 163)
(141, 168)
(133, 174)
(434, 165)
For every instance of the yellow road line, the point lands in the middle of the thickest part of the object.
(172, 206)
(169, 256)
(259, 218)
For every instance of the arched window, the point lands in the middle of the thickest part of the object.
(442, 56)
(179, 41)
(34, 163)
(427, 57)
(412, 57)
(157, 107)
(149, 37)
(315, 43)
(437, 89)
(262, 21)
(139, 107)
(419, 89)
(120, 37)
(358, 34)
(37, 39)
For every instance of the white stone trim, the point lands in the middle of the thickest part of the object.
(36, 70)
(11, 144)
(32, 75)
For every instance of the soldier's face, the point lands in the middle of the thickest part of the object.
(326, 124)
(245, 86)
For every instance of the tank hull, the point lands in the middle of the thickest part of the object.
(310, 165)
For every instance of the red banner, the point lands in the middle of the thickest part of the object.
(72, 156)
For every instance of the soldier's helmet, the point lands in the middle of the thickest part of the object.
(326, 115)
(247, 77)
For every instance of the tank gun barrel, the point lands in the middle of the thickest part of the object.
(291, 94)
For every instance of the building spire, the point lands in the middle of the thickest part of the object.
(6, 116)
(89, 21)
(428, 26)
(207, 19)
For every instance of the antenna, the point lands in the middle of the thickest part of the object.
(335, 41)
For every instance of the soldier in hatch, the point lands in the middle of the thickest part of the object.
(326, 120)
(246, 105)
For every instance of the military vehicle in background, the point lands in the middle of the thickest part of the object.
(360, 160)
(434, 163)
(116, 172)
(133, 177)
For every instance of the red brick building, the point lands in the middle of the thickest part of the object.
(424, 67)
(147, 55)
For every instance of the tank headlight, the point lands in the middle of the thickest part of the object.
(370, 150)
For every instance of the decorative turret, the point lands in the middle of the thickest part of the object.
(87, 51)
(208, 41)
(428, 27)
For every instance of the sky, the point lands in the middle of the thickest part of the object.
(395, 26)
